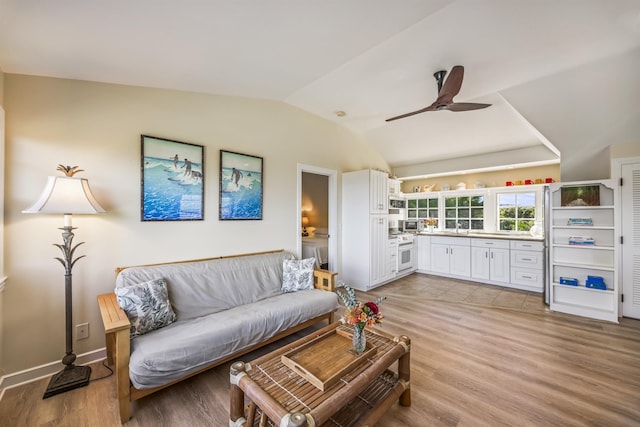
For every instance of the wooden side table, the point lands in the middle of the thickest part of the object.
(279, 396)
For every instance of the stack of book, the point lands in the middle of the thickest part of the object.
(582, 241)
(580, 221)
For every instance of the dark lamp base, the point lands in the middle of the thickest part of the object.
(69, 378)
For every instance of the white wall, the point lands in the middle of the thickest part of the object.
(97, 127)
(583, 110)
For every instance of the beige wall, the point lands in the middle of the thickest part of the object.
(489, 179)
(97, 127)
(2, 274)
(620, 151)
(1, 88)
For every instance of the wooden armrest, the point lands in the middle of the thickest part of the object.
(116, 328)
(324, 279)
(113, 317)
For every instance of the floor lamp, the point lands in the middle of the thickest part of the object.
(67, 195)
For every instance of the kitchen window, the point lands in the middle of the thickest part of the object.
(422, 208)
(467, 211)
(516, 211)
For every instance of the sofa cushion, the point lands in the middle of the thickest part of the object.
(203, 287)
(297, 275)
(147, 306)
(184, 347)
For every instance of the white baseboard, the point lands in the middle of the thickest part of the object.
(33, 374)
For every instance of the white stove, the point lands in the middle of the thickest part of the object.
(406, 252)
(404, 238)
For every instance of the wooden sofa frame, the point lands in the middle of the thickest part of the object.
(118, 344)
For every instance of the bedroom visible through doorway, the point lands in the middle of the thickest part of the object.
(317, 204)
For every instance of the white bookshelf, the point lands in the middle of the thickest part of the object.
(578, 261)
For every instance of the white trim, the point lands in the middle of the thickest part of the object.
(616, 175)
(543, 139)
(333, 210)
(38, 372)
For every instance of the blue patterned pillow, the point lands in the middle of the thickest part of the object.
(147, 306)
(297, 275)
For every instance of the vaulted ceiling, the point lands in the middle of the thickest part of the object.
(563, 76)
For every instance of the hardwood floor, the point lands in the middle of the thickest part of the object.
(493, 357)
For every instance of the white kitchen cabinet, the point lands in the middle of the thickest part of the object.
(379, 229)
(378, 191)
(527, 265)
(451, 256)
(510, 261)
(394, 187)
(365, 229)
(423, 250)
(584, 243)
(392, 258)
(490, 260)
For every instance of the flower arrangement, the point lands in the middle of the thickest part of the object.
(431, 221)
(358, 313)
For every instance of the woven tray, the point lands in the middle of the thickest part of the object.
(325, 359)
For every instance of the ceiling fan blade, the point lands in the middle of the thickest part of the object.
(465, 106)
(446, 92)
(413, 113)
(451, 86)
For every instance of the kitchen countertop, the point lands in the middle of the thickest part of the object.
(482, 235)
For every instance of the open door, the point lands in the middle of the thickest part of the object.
(317, 211)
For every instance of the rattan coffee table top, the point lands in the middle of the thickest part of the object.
(295, 393)
(274, 388)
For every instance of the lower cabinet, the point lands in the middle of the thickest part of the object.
(392, 257)
(527, 265)
(423, 250)
(451, 256)
(379, 235)
(490, 260)
(505, 262)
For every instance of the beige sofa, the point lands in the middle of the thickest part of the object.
(224, 307)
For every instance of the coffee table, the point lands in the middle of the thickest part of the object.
(280, 396)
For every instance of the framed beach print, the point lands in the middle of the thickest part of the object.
(172, 180)
(241, 184)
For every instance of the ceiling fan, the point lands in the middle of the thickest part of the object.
(446, 92)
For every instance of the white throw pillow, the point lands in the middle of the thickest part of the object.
(147, 306)
(297, 275)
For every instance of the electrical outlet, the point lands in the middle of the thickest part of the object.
(82, 331)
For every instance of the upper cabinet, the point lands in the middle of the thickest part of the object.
(378, 192)
(394, 187)
(583, 249)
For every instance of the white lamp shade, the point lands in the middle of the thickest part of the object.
(66, 195)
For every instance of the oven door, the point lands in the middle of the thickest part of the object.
(405, 256)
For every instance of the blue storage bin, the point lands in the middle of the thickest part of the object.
(568, 281)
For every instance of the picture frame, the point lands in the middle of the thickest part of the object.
(581, 195)
(172, 180)
(241, 186)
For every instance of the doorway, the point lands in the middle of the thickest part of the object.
(316, 215)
